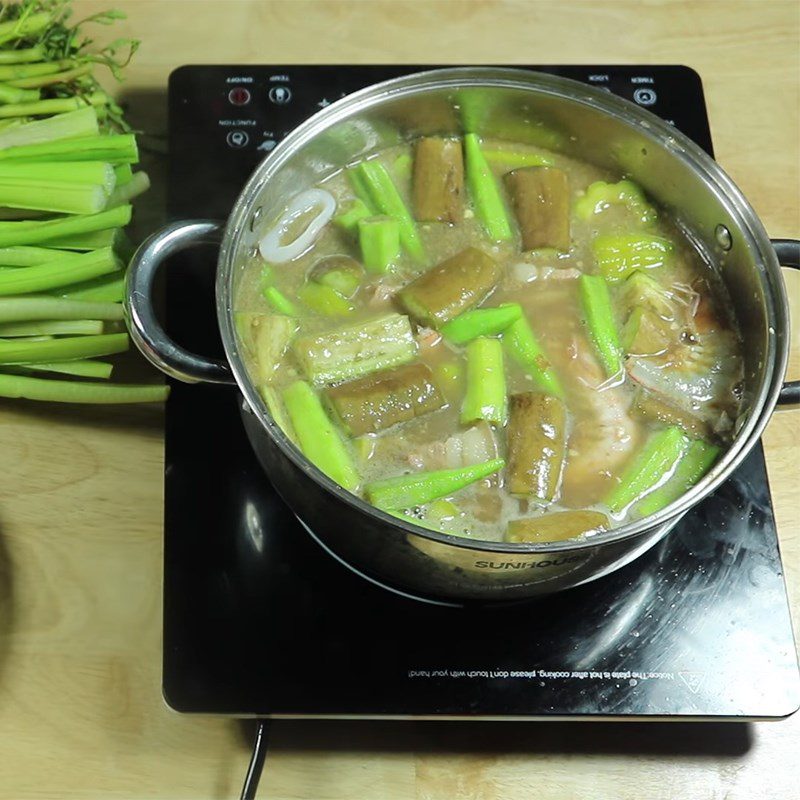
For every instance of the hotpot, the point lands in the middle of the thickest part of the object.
(520, 106)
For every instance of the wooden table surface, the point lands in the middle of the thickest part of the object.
(81, 714)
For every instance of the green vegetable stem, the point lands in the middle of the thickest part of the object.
(407, 491)
(486, 383)
(485, 192)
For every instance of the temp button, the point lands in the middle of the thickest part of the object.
(239, 96)
(280, 95)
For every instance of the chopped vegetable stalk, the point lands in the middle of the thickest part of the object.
(347, 219)
(29, 256)
(324, 300)
(359, 185)
(91, 240)
(339, 272)
(56, 196)
(83, 368)
(450, 378)
(486, 197)
(48, 327)
(407, 491)
(16, 233)
(600, 195)
(39, 81)
(441, 515)
(279, 302)
(277, 410)
(12, 94)
(357, 349)
(106, 289)
(596, 302)
(402, 166)
(652, 408)
(537, 445)
(540, 198)
(691, 468)
(318, 438)
(645, 334)
(343, 281)
(17, 309)
(123, 173)
(66, 349)
(449, 288)
(651, 467)
(379, 238)
(481, 322)
(24, 27)
(642, 290)
(139, 184)
(378, 401)
(438, 184)
(89, 172)
(72, 125)
(556, 527)
(58, 105)
(386, 198)
(59, 272)
(113, 149)
(20, 71)
(521, 343)
(618, 256)
(441, 510)
(22, 55)
(486, 383)
(57, 391)
(510, 159)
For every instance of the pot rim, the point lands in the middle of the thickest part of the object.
(662, 134)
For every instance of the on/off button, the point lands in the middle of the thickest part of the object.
(239, 96)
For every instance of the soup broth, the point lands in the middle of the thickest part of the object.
(509, 344)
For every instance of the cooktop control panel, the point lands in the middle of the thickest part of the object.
(230, 117)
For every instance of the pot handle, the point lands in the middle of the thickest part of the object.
(145, 329)
(788, 252)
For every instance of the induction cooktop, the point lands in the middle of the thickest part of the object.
(260, 621)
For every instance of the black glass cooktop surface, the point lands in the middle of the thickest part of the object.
(258, 620)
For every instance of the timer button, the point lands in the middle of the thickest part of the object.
(239, 96)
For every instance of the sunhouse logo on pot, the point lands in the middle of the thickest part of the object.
(555, 562)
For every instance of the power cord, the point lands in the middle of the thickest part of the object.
(256, 761)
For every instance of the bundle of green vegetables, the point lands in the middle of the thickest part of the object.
(66, 182)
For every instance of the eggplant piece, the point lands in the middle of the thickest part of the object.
(438, 180)
(271, 336)
(537, 445)
(556, 527)
(651, 407)
(540, 198)
(378, 401)
(455, 285)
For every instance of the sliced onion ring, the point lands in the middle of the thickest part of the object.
(270, 245)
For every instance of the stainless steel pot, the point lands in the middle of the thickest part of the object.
(520, 106)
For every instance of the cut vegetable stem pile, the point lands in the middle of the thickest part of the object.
(66, 182)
